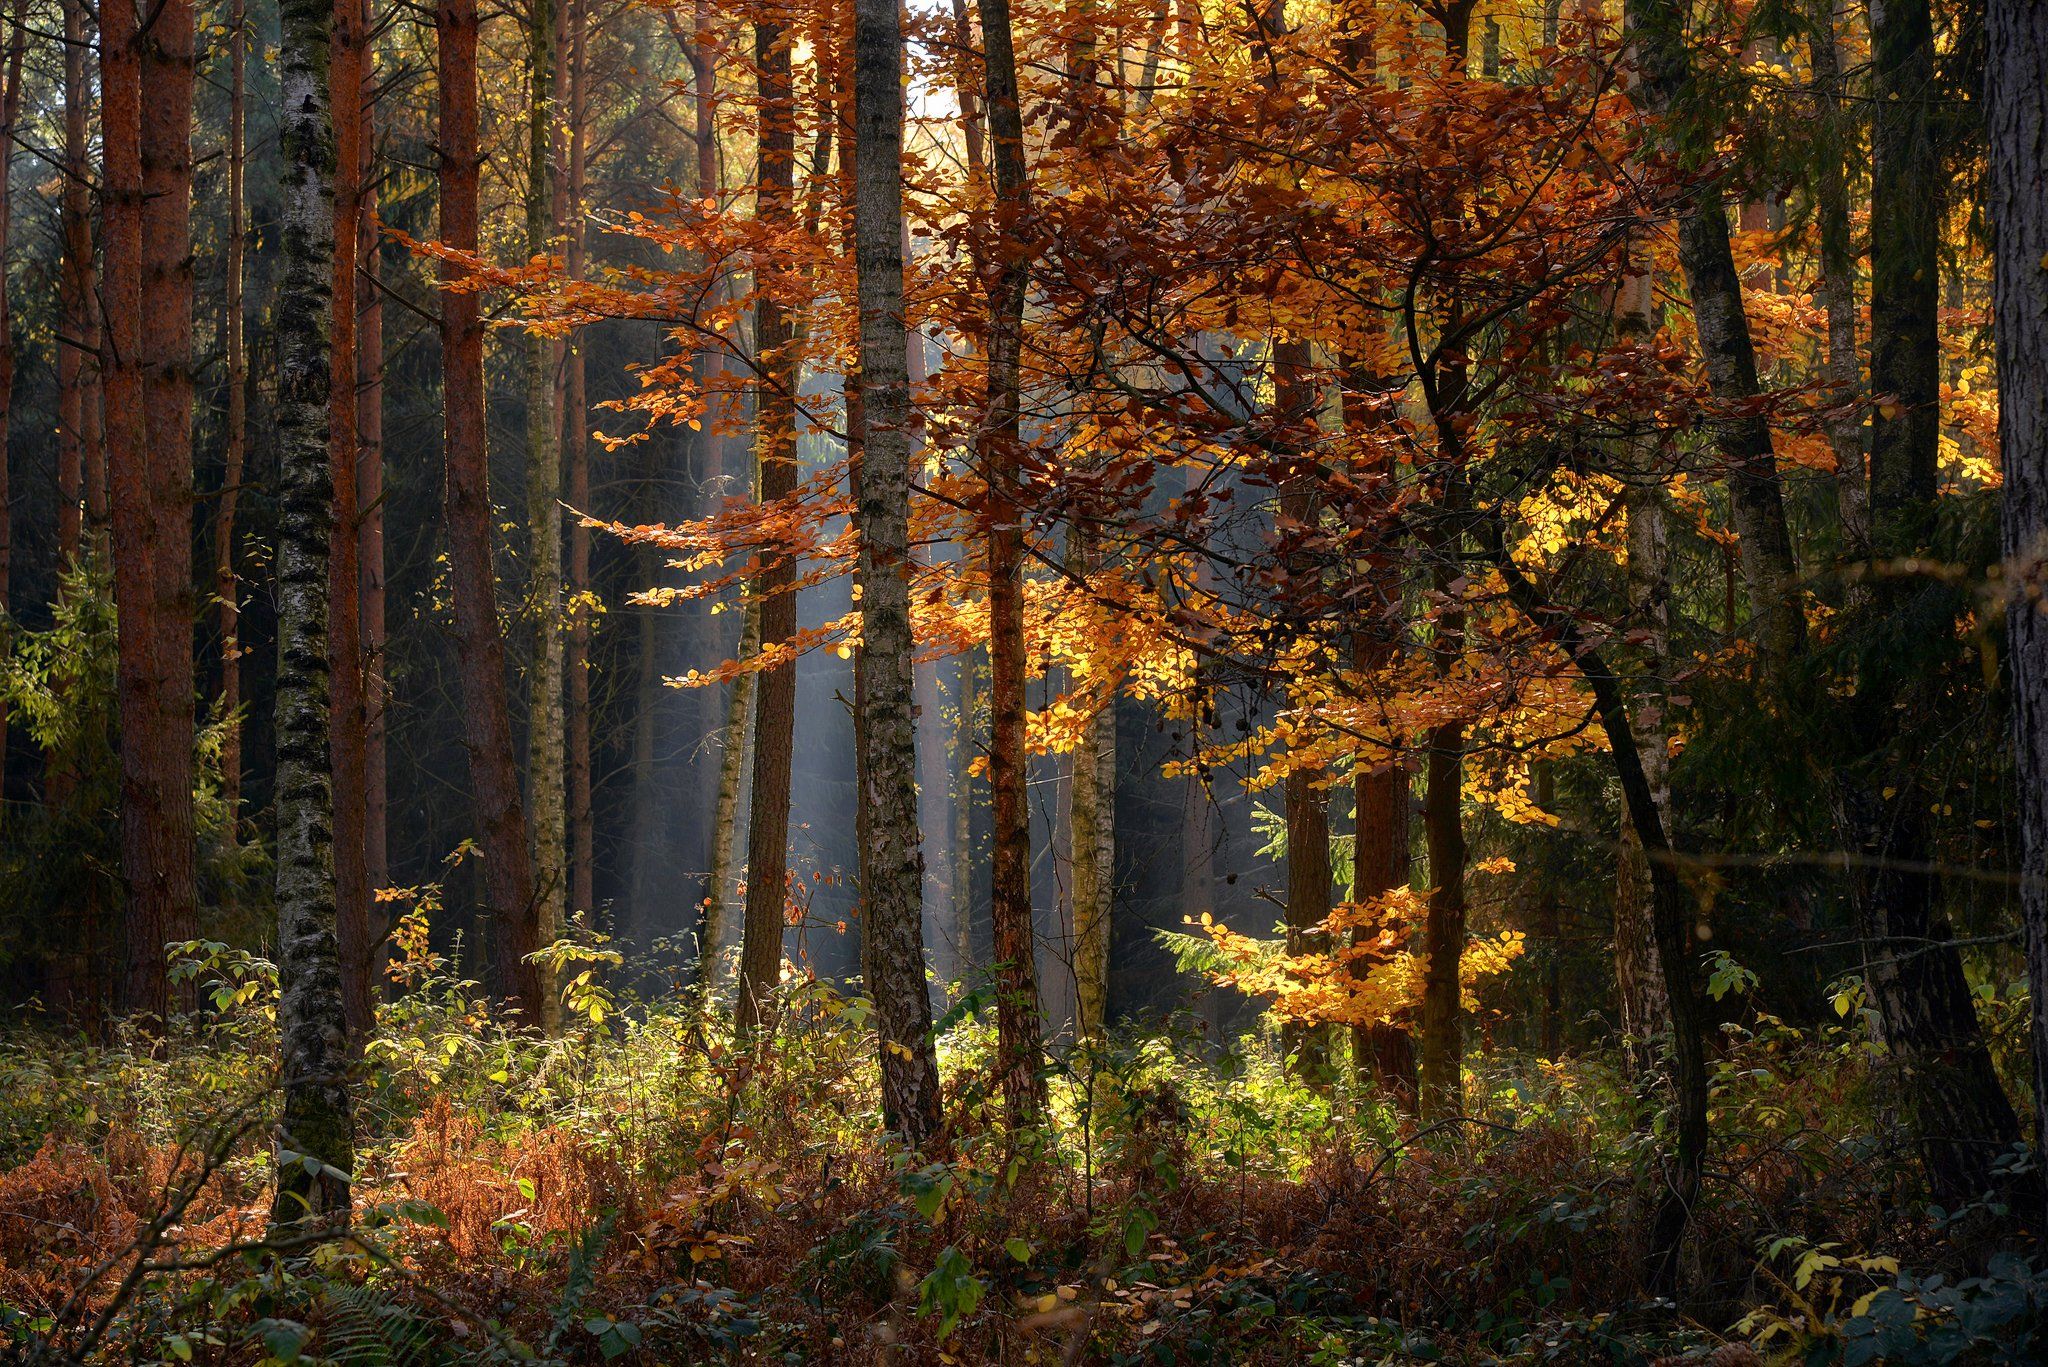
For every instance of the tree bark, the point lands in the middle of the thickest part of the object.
(149, 496)
(775, 444)
(494, 781)
(892, 869)
(1770, 574)
(1091, 835)
(1645, 1009)
(965, 744)
(1019, 1033)
(2016, 102)
(226, 590)
(78, 319)
(1379, 865)
(10, 109)
(312, 1024)
(1957, 1107)
(1838, 279)
(576, 464)
(370, 497)
(357, 914)
(546, 805)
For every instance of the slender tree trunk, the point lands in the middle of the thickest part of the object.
(78, 319)
(1307, 805)
(739, 725)
(544, 745)
(312, 1023)
(1091, 836)
(1957, 1106)
(226, 590)
(775, 443)
(1645, 1010)
(965, 746)
(1548, 925)
(1019, 1033)
(892, 869)
(357, 914)
(370, 494)
(10, 110)
(2016, 102)
(1671, 918)
(1838, 278)
(576, 465)
(149, 496)
(493, 779)
(1770, 575)
(1379, 865)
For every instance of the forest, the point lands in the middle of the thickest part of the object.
(953, 681)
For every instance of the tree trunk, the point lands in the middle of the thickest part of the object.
(1957, 1107)
(739, 726)
(370, 501)
(1091, 836)
(1670, 918)
(10, 109)
(493, 779)
(891, 867)
(1379, 865)
(1645, 1010)
(1838, 279)
(1019, 1033)
(78, 318)
(357, 914)
(775, 443)
(312, 1024)
(576, 465)
(544, 740)
(149, 495)
(1770, 575)
(965, 745)
(2016, 102)
(226, 590)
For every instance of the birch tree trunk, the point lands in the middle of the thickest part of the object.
(493, 779)
(2016, 100)
(312, 1024)
(576, 464)
(370, 495)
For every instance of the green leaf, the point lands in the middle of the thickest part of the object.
(1018, 1249)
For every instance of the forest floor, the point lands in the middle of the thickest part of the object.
(637, 1189)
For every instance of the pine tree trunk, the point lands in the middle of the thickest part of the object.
(78, 317)
(1956, 1105)
(891, 867)
(346, 740)
(148, 500)
(312, 1024)
(775, 443)
(1770, 575)
(494, 781)
(1019, 1033)
(2016, 102)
